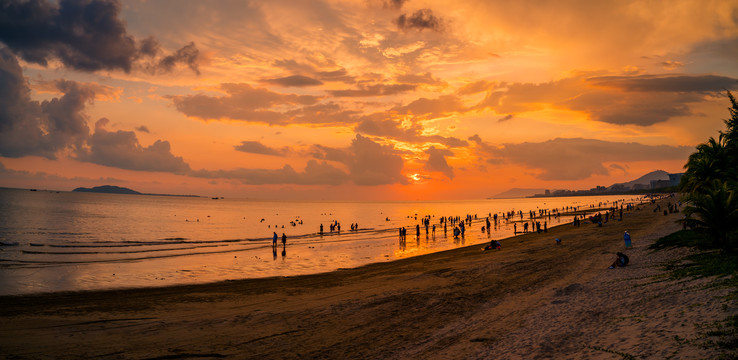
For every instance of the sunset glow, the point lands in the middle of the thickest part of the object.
(359, 100)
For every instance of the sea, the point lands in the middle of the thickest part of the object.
(52, 241)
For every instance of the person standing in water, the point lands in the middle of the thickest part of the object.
(274, 240)
(284, 240)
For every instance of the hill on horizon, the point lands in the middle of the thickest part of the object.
(518, 193)
(108, 189)
(644, 180)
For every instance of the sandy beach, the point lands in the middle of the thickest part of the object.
(530, 300)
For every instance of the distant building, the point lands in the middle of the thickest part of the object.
(548, 192)
(639, 187)
(658, 184)
(674, 179)
(618, 187)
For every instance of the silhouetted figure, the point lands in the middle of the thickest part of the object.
(620, 261)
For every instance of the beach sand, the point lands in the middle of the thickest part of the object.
(530, 300)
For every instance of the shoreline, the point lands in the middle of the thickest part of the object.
(478, 222)
(459, 303)
(446, 242)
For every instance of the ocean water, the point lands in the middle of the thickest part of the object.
(66, 241)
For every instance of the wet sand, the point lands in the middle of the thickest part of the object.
(532, 299)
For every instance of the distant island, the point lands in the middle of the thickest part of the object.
(112, 189)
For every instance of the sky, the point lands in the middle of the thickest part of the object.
(358, 100)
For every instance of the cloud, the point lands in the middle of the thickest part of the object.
(437, 161)
(242, 102)
(84, 35)
(315, 173)
(506, 118)
(336, 75)
(369, 163)
(374, 90)
(666, 83)
(26, 178)
(475, 87)
(420, 20)
(578, 158)
(143, 128)
(641, 100)
(255, 147)
(294, 80)
(30, 127)
(420, 79)
(319, 69)
(391, 129)
(188, 55)
(121, 149)
(671, 65)
(394, 4)
(441, 106)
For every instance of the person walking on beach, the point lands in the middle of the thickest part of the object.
(284, 240)
(626, 238)
(274, 240)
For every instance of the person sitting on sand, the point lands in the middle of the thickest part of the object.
(620, 261)
(494, 244)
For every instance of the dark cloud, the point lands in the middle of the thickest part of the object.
(437, 161)
(30, 127)
(255, 147)
(721, 49)
(369, 163)
(121, 149)
(476, 138)
(316, 173)
(143, 128)
(506, 118)
(420, 20)
(188, 55)
(577, 158)
(84, 35)
(336, 75)
(667, 83)
(294, 80)
(374, 90)
(394, 4)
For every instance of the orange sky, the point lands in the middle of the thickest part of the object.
(358, 100)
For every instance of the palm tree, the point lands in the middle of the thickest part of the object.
(711, 184)
(714, 209)
(710, 162)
